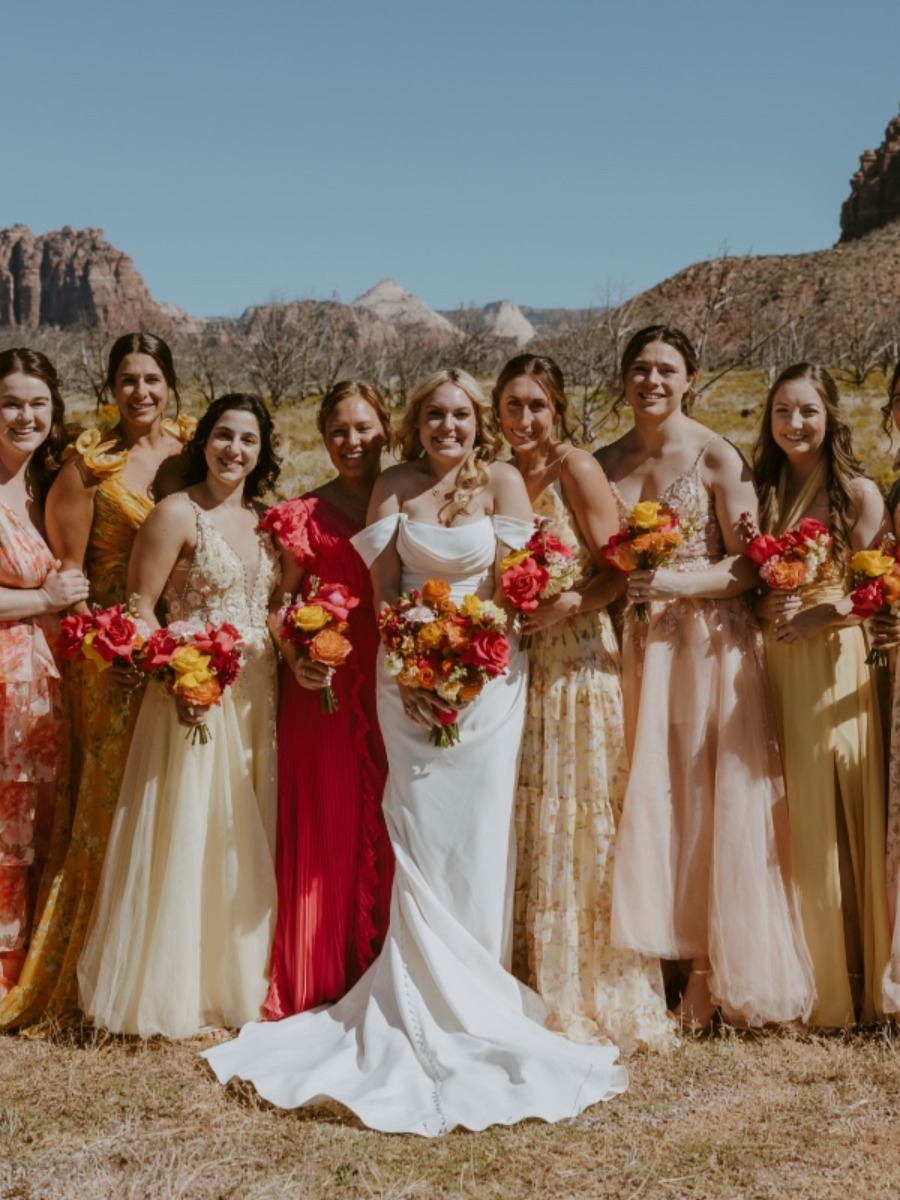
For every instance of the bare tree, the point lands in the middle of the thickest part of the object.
(276, 351)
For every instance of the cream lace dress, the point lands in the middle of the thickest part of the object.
(182, 926)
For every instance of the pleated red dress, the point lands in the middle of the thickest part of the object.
(334, 862)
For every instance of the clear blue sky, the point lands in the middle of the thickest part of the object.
(542, 150)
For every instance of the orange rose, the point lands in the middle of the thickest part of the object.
(436, 592)
(426, 678)
(468, 692)
(891, 583)
(456, 636)
(783, 574)
(329, 647)
(621, 556)
(202, 694)
(409, 676)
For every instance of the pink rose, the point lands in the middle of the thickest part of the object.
(71, 634)
(522, 584)
(158, 650)
(115, 634)
(336, 599)
(762, 548)
(489, 650)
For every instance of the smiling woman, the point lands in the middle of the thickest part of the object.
(32, 591)
(181, 930)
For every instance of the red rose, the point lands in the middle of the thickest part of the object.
(71, 634)
(158, 650)
(523, 584)
(336, 599)
(762, 548)
(115, 634)
(812, 530)
(868, 598)
(489, 650)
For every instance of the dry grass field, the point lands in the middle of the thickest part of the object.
(732, 1116)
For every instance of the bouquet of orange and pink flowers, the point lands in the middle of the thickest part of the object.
(542, 569)
(449, 649)
(104, 635)
(876, 580)
(791, 560)
(316, 627)
(649, 540)
(195, 664)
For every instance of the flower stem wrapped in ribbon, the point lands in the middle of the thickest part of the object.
(194, 664)
(876, 580)
(104, 636)
(792, 560)
(649, 540)
(545, 567)
(445, 648)
(316, 627)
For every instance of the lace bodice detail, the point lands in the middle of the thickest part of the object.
(695, 508)
(217, 587)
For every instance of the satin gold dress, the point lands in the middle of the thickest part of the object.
(826, 707)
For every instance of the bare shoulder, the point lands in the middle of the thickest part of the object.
(613, 453)
(504, 473)
(721, 458)
(74, 478)
(581, 467)
(866, 493)
(173, 512)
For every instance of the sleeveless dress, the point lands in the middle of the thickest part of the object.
(569, 802)
(100, 721)
(829, 724)
(182, 927)
(333, 861)
(30, 741)
(437, 1034)
(703, 857)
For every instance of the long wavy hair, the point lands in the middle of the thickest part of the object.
(45, 460)
(142, 343)
(264, 475)
(671, 336)
(842, 466)
(546, 371)
(473, 476)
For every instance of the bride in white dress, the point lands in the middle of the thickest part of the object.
(437, 1033)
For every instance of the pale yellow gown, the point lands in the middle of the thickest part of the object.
(826, 707)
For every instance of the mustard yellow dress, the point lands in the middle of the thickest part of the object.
(101, 720)
(829, 727)
(569, 800)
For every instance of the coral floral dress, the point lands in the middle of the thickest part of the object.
(101, 720)
(334, 861)
(30, 741)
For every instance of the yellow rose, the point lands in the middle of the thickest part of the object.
(311, 617)
(871, 563)
(87, 649)
(646, 515)
(513, 560)
(431, 635)
(191, 668)
(471, 607)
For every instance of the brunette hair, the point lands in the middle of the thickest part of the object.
(45, 460)
(143, 343)
(473, 475)
(263, 476)
(841, 463)
(547, 372)
(672, 336)
(346, 388)
(887, 413)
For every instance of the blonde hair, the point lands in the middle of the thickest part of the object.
(473, 476)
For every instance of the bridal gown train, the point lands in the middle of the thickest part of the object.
(437, 1033)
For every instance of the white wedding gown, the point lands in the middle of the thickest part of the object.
(437, 1033)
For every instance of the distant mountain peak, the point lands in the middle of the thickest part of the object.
(392, 302)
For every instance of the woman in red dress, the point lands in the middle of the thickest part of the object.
(333, 857)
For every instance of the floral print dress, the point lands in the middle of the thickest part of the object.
(569, 802)
(30, 742)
